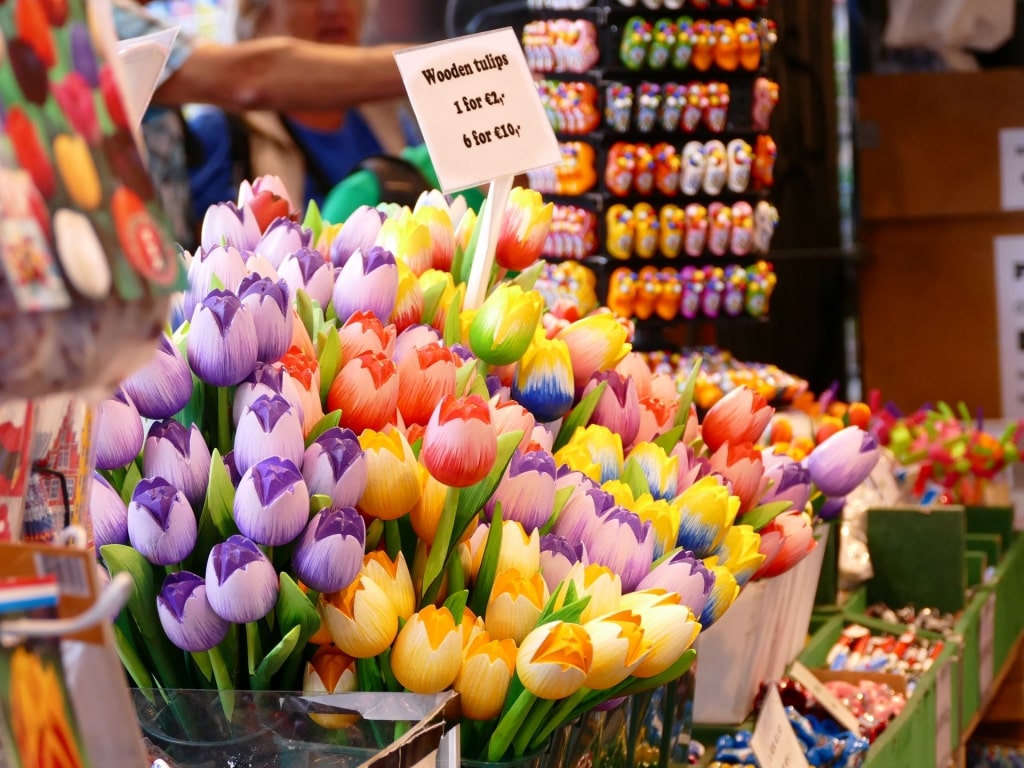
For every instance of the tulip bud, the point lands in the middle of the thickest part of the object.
(163, 387)
(664, 518)
(685, 575)
(515, 604)
(441, 234)
(740, 552)
(603, 446)
(505, 324)
(527, 490)
(843, 461)
(329, 554)
(519, 549)
(425, 377)
(268, 303)
(161, 524)
(394, 578)
(599, 583)
(723, 593)
(544, 382)
(359, 233)
(228, 225)
(619, 648)
(392, 487)
(334, 466)
(708, 510)
(330, 671)
(788, 480)
(596, 343)
(618, 409)
(554, 660)
(267, 184)
(180, 456)
(426, 515)
(557, 557)
(268, 427)
(582, 513)
(446, 302)
(797, 542)
(220, 262)
(741, 465)
(510, 416)
(409, 240)
(282, 238)
(241, 583)
(428, 651)
(307, 270)
(459, 444)
(524, 228)
(624, 544)
(222, 344)
(669, 627)
(656, 417)
(271, 504)
(660, 470)
(692, 467)
(364, 332)
(484, 677)
(739, 417)
(107, 513)
(361, 618)
(185, 613)
(368, 281)
(366, 392)
(118, 432)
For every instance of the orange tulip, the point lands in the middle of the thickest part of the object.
(515, 605)
(484, 677)
(393, 487)
(554, 660)
(366, 392)
(427, 653)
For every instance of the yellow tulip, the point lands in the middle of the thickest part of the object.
(621, 492)
(723, 594)
(427, 513)
(669, 626)
(578, 459)
(438, 222)
(330, 671)
(78, 171)
(515, 604)
(428, 651)
(554, 660)
(596, 342)
(361, 618)
(394, 578)
(664, 517)
(471, 627)
(484, 677)
(408, 240)
(603, 446)
(431, 278)
(740, 552)
(519, 549)
(619, 648)
(599, 583)
(707, 511)
(392, 487)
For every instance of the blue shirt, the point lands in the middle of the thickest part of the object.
(336, 153)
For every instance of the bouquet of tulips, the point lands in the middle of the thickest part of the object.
(335, 475)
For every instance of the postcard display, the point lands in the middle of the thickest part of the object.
(663, 118)
(86, 273)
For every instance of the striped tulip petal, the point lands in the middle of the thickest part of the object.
(459, 443)
(163, 387)
(222, 345)
(161, 523)
(334, 466)
(366, 392)
(427, 653)
(241, 583)
(329, 554)
(119, 433)
(271, 503)
(185, 613)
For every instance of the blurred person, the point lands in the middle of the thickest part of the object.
(312, 148)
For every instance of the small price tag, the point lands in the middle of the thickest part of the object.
(825, 697)
(943, 716)
(478, 108)
(773, 742)
(986, 645)
(1011, 168)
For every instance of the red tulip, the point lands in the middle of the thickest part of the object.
(459, 443)
(742, 466)
(797, 536)
(424, 377)
(364, 332)
(739, 417)
(366, 392)
(76, 100)
(268, 206)
(56, 11)
(33, 27)
(29, 151)
(112, 97)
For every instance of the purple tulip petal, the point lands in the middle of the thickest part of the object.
(241, 583)
(271, 503)
(185, 613)
(119, 432)
(329, 554)
(163, 387)
(161, 523)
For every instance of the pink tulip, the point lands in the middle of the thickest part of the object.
(366, 392)
(619, 406)
(797, 542)
(459, 443)
(739, 417)
(656, 417)
(742, 466)
(424, 377)
(412, 338)
(364, 332)
(510, 416)
(663, 387)
(634, 367)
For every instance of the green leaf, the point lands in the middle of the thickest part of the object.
(668, 440)
(329, 358)
(439, 549)
(318, 502)
(192, 413)
(432, 300)
(304, 306)
(488, 565)
(314, 221)
(391, 683)
(527, 279)
(274, 660)
(464, 375)
(374, 532)
(131, 659)
(760, 516)
(329, 421)
(220, 497)
(456, 604)
(453, 320)
(634, 477)
(579, 416)
(131, 479)
(562, 495)
(369, 676)
(686, 396)
(467, 261)
(674, 672)
(416, 447)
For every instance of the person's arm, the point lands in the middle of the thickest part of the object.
(283, 73)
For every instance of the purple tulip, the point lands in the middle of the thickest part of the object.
(619, 406)
(265, 379)
(83, 58)
(495, 387)
(268, 427)
(557, 557)
(832, 508)
(272, 502)
(241, 583)
(226, 264)
(227, 224)
(222, 344)
(582, 513)
(307, 270)
(691, 466)
(843, 461)
(179, 455)
(622, 543)
(108, 513)
(412, 338)
(271, 310)
(368, 282)
(334, 466)
(229, 465)
(185, 614)
(464, 353)
(684, 574)
(527, 490)
(161, 523)
(163, 387)
(790, 481)
(282, 238)
(329, 554)
(359, 234)
(118, 431)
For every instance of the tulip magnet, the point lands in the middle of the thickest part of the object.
(673, 98)
(620, 228)
(694, 166)
(685, 40)
(647, 293)
(750, 44)
(667, 166)
(663, 42)
(643, 179)
(763, 171)
(696, 229)
(618, 106)
(648, 105)
(735, 290)
(622, 288)
(727, 47)
(716, 110)
(635, 40)
(766, 97)
(667, 305)
(717, 170)
(645, 244)
(719, 228)
(704, 41)
(766, 218)
(691, 286)
(741, 158)
(714, 287)
(671, 228)
(693, 109)
(620, 168)
(742, 229)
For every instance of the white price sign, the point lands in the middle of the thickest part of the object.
(478, 108)
(1009, 281)
(1011, 168)
(774, 743)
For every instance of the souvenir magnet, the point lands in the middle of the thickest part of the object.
(618, 106)
(735, 290)
(685, 40)
(704, 41)
(622, 286)
(716, 109)
(667, 164)
(667, 305)
(673, 97)
(693, 168)
(696, 229)
(714, 287)
(648, 104)
(691, 284)
(766, 96)
(671, 228)
(620, 168)
(766, 218)
(719, 228)
(763, 172)
(717, 167)
(663, 43)
(693, 110)
(620, 231)
(726, 52)
(647, 293)
(645, 243)
(741, 156)
(635, 39)
(742, 229)
(643, 179)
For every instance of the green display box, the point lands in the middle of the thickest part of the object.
(1008, 586)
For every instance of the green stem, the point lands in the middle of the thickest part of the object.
(253, 647)
(530, 726)
(392, 538)
(560, 715)
(224, 442)
(202, 662)
(510, 723)
(225, 687)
